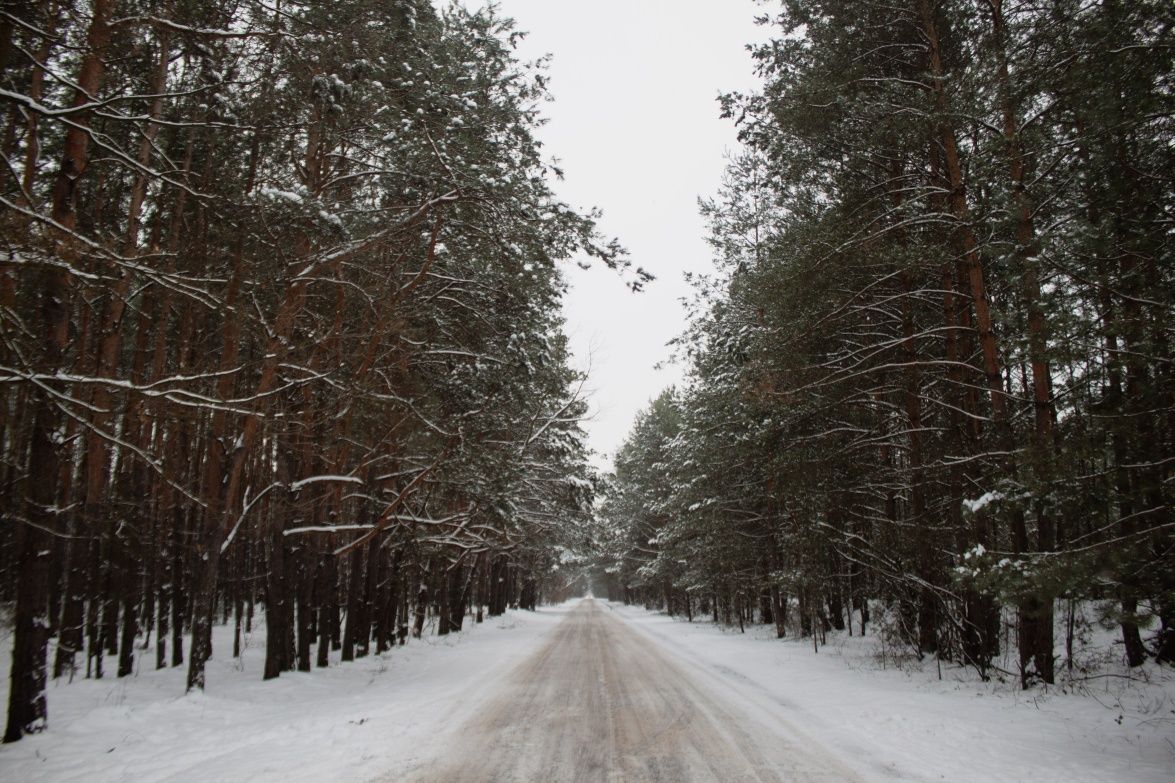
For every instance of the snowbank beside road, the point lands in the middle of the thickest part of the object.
(354, 721)
(910, 726)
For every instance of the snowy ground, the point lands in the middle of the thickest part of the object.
(908, 725)
(383, 716)
(355, 721)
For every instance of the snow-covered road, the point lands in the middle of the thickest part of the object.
(601, 701)
(594, 691)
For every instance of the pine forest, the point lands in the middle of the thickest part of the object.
(279, 320)
(932, 366)
(291, 295)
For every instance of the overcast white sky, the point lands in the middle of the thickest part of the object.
(635, 124)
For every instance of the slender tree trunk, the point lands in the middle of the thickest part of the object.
(327, 604)
(27, 703)
(1036, 615)
(354, 597)
(275, 607)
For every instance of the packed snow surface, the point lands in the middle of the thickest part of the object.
(602, 701)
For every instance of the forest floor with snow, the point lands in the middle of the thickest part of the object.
(385, 716)
(353, 721)
(892, 719)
